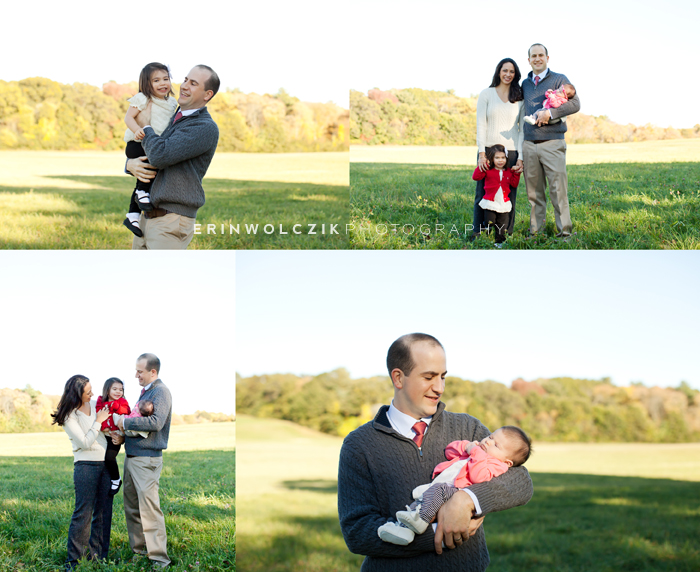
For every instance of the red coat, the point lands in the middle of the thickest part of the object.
(493, 182)
(119, 406)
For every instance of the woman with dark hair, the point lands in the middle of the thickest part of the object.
(498, 118)
(81, 421)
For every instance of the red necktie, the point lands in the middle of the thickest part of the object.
(537, 80)
(179, 114)
(143, 391)
(419, 428)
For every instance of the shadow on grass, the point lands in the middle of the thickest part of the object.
(197, 499)
(318, 486)
(92, 218)
(613, 205)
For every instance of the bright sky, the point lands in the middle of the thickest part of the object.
(632, 60)
(94, 313)
(255, 46)
(631, 316)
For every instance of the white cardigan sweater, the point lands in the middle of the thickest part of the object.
(498, 122)
(89, 443)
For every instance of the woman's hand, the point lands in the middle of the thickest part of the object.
(102, 415)
(483, 163)
(518, 168)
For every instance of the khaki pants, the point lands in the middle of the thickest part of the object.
(169, 232)
(547, 162)
(144, 519)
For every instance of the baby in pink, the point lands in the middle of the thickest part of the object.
(553, 98)
(143, 409)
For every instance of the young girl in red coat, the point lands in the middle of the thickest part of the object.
(113, 398)
(496, 202)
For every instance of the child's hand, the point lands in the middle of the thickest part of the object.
(471, 446)
(139, 135)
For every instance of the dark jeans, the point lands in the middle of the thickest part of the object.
(134, 150)
(478, 220)
(497, 223)
(92, 502)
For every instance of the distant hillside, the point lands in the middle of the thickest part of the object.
(38, 113)
(29, 411)
(557, 409)
(421, 117)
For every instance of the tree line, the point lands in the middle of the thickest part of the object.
(29, 411)
(38, 113)
(555, 409)
(422, 117)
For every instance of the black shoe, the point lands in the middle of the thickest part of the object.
(113, 492)
(133, 227)
(145, 206)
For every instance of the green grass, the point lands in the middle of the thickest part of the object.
(287, 506)
(613, 206)
(57, 201)
(197, 492)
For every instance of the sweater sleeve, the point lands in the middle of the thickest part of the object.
(122, 407)
(186, 142)
(482, 109)
(156, 421)
(479, 174)
(521, 130)
(360, 517)
(77, 436)
(512, 488)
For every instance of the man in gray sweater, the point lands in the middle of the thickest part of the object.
(144, 461)
(182, 153)
(384, 460)
(544, 148)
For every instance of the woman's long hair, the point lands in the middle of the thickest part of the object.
(515, 93)
(71, 399)
(108, 385)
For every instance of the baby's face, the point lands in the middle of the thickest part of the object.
(569, 91)
(498, 445)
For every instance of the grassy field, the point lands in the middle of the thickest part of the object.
(603, 507)
(622, 196)
(77, 200)
(197, 492)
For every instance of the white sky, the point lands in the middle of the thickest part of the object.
(94, 313)
(632, 60)
(631, 316)
(255, 46)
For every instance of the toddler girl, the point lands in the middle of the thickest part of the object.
(553, 98)
(496, 202)
(113, 398)
(468, 462)
(154, 94)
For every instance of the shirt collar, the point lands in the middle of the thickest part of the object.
(187, 112)
(148, 386)
(542, 75)
(402, 423)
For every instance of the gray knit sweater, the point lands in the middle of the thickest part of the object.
(182, 153)
(534, 98)
(158, 424)
(379, 468)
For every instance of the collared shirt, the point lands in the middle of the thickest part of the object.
(148, 387)
(541, 75)
(403, 425)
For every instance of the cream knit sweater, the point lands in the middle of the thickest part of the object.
(89, 444)
(498, 122)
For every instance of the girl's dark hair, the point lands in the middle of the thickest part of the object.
(491, 153)
(515, 93)
(108, 385)
(71, 399)
(145, 86)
